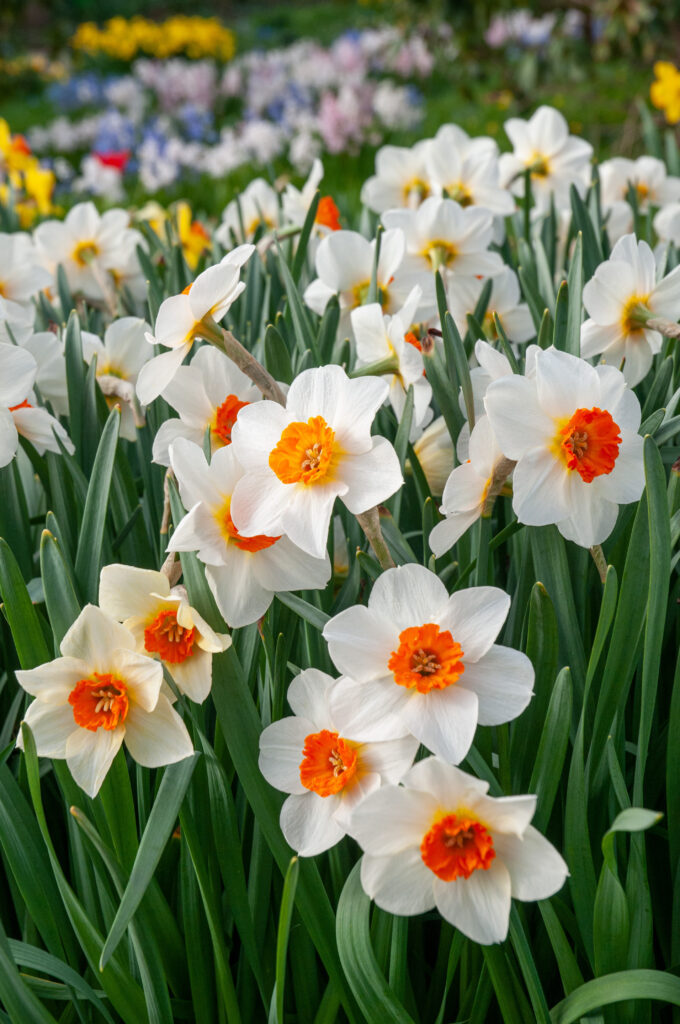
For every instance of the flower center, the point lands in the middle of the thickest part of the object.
(426, 659)
(231, 534)
(327, 214)
(414, 191)
(306, 452)
(539, 166)
(589, 443)
(166, 637)
(460, 193)
(329, 763)
(440, 253)
(22, 405)
(85, 252)
(225, 418)
(98, 701)
(455, 846)
(631, 320)
(360, 293)
(411, 339)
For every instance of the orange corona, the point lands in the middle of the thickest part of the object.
(100, 701)
(225, 418)
(165, 636)
(327, 214)
(589, 443)
(427, 659)
(328, 764)
(305, 452)
(455, 846)
(257, 543)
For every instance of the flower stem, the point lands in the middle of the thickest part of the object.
(600, 561)
(245, 362)
(369, 522)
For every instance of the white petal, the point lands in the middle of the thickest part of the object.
(194, 675)
(93, 638)
(518, 420)
(142, 675)
(239, 597)
(360, 642)
(479, 906)
(391, 759)
(125, 591)
(51, 727)
(371, 477)
(450, 786)
(393, 819)
(283, 566)
(400, 883)
(155, 375)
(474, 618)
(541, 494)
(409, 595)
(89, 755)
(158, 737)
(308, 696)
(444, 720)
(536, 869)
(503, 681)
(308, 824)
(565, 383)
(370, 711)
(281, 746)
(53, 682)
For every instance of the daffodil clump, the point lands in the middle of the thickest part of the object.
(339, 579)
(25, 184)
(124, 39)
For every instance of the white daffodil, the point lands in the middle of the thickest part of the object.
(86, 244)
(667, 224)
(344, 264)
(467, 170)
(424, 663)
(207, 394)
(18, 415)
(434, 451)
(257, 205)
(384, 338)
(440, 841)
(298, 460)
(295, 205)
(621, 297)
(440, 233)
(21, 277)
(193, 314)
(572, 430)
(100, 693)
(327, 773)
(467, 488)
(48, 351)
(16, 322)
(243, 571)
(120, 358)
(401, 178)
(164, 624)
(555, 159)
(463, 295)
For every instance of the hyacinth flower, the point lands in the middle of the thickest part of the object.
(572, 430)
(193, 314)
(100, 693)
(243, 570)
(297, 460)
(629, 310)
(311, 757)
(440, 841)
(422, 663)
(164, 624)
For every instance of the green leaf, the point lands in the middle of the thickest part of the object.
(303, 241)
(285, 917)
(304, 609)
(15, 995)
(35, 959)
(615, 988)
(22, 617)
(572, 340)
(62, 603)
(376, 999)
(552, 749)
(592, 248)
(75, 378)
(561, 318)
(91, 538)
(277, 356)
(159, 827)
(304, 335)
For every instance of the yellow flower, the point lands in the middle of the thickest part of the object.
(194, 37)
(665, 90)
(193, 236)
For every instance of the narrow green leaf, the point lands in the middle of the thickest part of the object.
(15, 995)
(572, 340)
(561, 318)
(285, 917)
(90, 540)
(62, 603)
(277, 356)
(22, 617)
(552, 749)
(615, 988)
(75, 378)
(376, 999)
(159, 827)
(303, 241)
